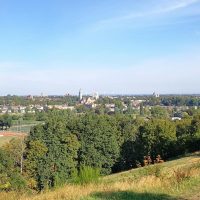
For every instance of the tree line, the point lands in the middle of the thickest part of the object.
(5, 122)
(54, 152)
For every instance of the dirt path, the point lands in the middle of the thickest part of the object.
(10, 133)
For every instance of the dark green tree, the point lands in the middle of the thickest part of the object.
(99, 142)
(52, 151)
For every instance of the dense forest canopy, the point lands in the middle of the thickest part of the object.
(56, 150)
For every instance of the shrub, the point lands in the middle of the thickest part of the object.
(4, 182)
(17, 182)
(87, 175)
(153, 170)
(32, 183)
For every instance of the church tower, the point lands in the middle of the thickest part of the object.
(80, 95)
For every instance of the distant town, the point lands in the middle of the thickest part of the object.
(168, 106)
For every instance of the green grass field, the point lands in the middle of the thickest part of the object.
(174, 180)
(23, 126)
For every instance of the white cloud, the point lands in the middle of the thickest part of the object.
(163, 8)
(177, 4)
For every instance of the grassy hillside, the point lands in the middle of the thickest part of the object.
(177, 179)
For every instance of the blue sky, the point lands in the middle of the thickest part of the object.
(109, 46)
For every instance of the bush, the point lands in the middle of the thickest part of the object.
(87, 175)
(4, 182)
(17, 182)
(32, 183)
(153, 170)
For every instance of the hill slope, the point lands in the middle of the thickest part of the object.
(178, 179)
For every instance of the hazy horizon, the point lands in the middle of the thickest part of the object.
(104, 94)
(112, 47)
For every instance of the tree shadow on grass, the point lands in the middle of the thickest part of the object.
(130, 196)
(197, 153)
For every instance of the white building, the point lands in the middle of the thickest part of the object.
(80, 95)
(96, 95)
(156, 95)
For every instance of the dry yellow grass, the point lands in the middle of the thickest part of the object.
(75, 192)
(172, 181)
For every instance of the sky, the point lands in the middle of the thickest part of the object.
(108, 46)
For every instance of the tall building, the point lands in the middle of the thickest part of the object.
(96, 95)
(156, 95)
(80, 95)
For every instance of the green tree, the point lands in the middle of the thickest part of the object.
(52, 151)
(10, 178)
(15, 149)
(159, 112)
(141, 109)
(129, 129)
(99, 142)
(156, 137)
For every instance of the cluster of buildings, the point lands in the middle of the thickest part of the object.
(32, 108)
(20, 109)
(89, 101)
(61, 107)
